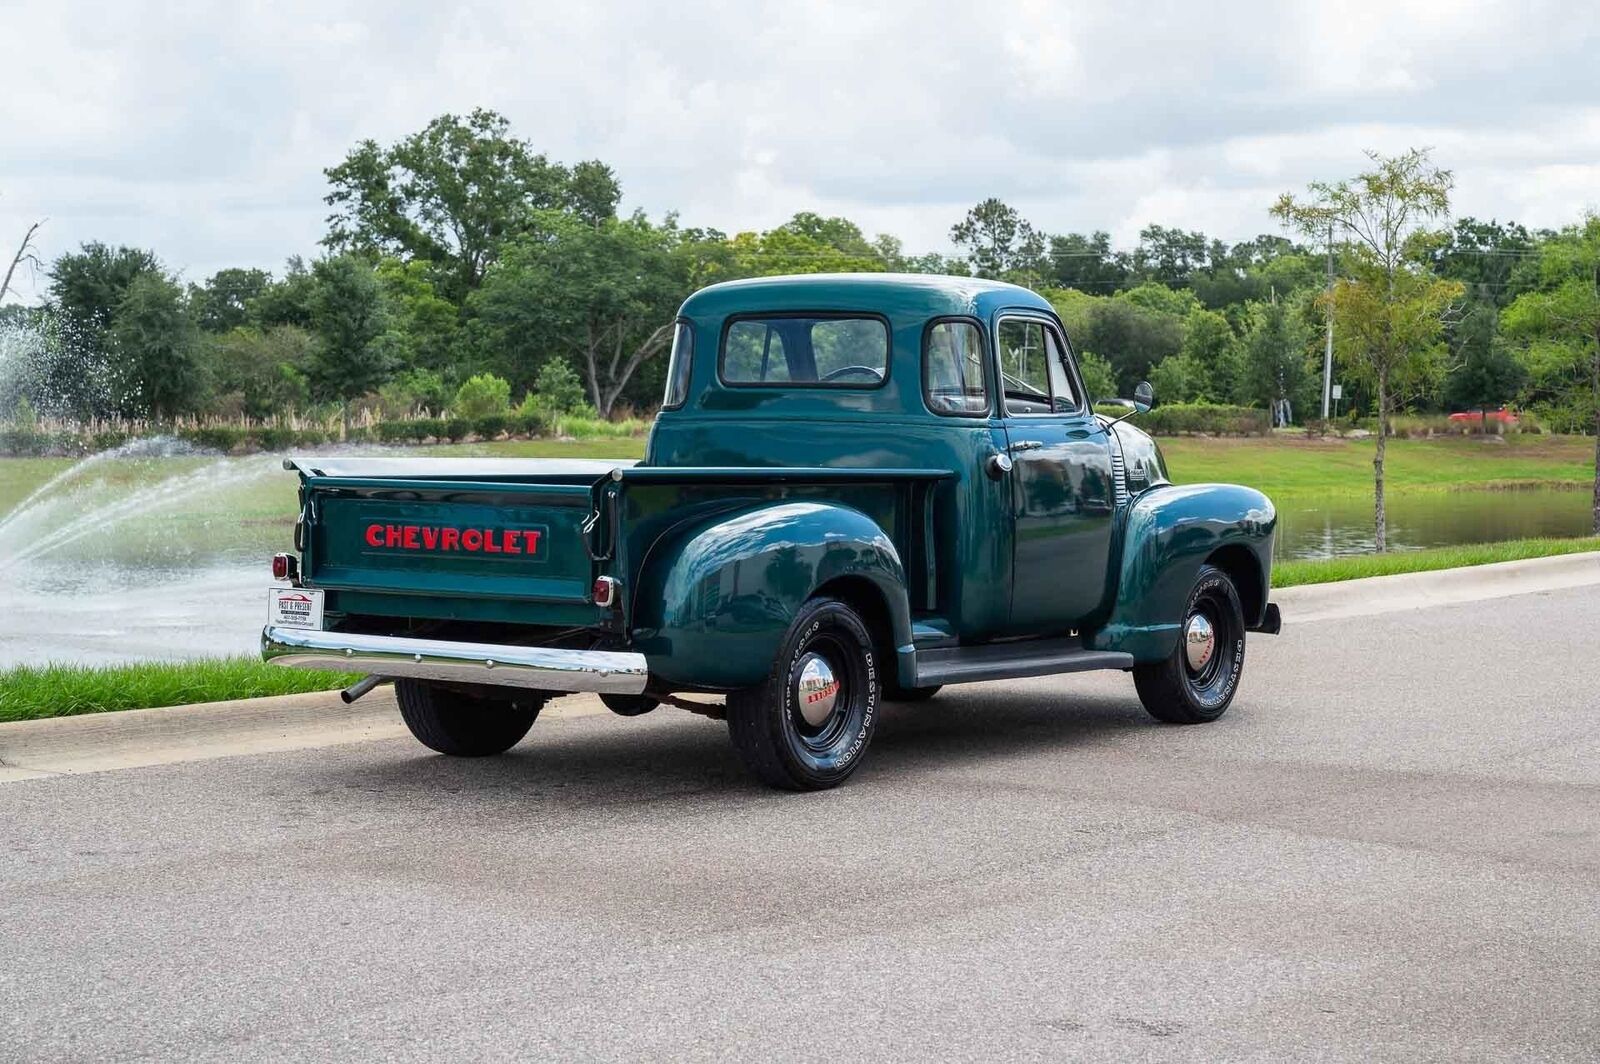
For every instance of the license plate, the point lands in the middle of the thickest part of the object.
(294, 607)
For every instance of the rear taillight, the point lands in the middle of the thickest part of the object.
(284, 567)
(606, 590)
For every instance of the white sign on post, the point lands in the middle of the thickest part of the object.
(1338, 391)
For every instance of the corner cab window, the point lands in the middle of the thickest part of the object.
(1033, 369)
(952, 370)
(810, 352)
(678, 367)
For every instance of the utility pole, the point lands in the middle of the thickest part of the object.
(1327, 352)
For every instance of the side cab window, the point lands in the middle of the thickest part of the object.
(1034, 369)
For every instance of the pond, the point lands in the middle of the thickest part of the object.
(158, 552)
(1327, 528)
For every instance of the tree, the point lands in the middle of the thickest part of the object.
(1487, 257)
(1566, 313)
(1388, 315)
(1172, 256)
(999, 241)
(260, 372)
(25, 254)
(1098, 378)
(1088, 263)
(602, 294)
(1274, 356)
(786, 250)
(453, 194)
(86, 289)
(348, 318)
(1211, 348)
(153, 349)
(1131, 337)
(286, 301)
(223, 302)
(1485, 375)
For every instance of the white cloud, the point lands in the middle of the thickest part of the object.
(201, 130)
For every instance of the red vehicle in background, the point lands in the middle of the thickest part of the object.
(1501, 417)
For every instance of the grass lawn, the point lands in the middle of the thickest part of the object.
(33, 692)
(1288, 466)
(1331, 570)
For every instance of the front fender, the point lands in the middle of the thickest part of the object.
(1168, 534)
(717, 594)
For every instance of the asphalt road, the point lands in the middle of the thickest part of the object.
(1388, 850)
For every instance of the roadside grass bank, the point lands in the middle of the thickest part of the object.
(1355, 567)
(29, 692)
(1290, 467)
(35, 693)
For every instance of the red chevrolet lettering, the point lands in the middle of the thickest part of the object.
(472, 539)
(448, 538)
(531, 538)
(430, 538)
(374, 535)
(391, 535)
(489, 545)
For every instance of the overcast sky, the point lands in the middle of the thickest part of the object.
(201, 130)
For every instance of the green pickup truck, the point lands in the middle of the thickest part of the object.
(859, 487)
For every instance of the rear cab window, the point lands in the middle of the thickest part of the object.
(954, 380)
(805, 351)
(678, 364)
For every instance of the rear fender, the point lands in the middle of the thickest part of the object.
(717, 594)
(1168, 534)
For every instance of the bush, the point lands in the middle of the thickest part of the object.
(490, 427)
(276, 438)
(224, 438)
(482, 396)
(526, 422)
(457, 429)
(397, 431)
(1215, 419)
(556, 390)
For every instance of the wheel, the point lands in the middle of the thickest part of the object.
(461, 725)
(893, 692)
(1195, 684)
(629, 705)
(806, 727)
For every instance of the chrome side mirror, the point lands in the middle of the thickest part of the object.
(1144, 397)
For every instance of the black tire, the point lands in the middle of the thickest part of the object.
(787, 737)
(893, 692)
(1179, 691)
(629, 705)
(461, 725)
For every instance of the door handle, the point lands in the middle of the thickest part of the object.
(1025, 445)
(997, 466)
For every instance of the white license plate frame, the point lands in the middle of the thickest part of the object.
(294, 607)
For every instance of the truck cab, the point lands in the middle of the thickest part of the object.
(858, 487)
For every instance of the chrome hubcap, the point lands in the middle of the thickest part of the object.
(818, 690)
(1199, 642)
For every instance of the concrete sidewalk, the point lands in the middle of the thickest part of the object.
(100, 742)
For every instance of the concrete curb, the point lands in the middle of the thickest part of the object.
(101, 742)
(1443, 587)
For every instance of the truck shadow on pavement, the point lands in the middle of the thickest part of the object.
(671, 754)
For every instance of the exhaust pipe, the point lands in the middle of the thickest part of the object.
(360, 687)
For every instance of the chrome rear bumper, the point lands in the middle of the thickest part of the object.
(534, 668)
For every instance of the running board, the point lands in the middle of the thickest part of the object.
(1006, 661)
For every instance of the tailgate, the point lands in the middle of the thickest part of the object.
(467, 539)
